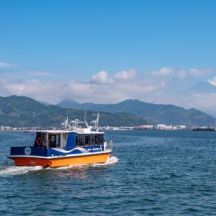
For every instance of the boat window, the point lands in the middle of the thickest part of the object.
(44, 139)
(64, 140)
(96, 139)
(54, 140)
(81, 140)
(90, 139)
(40, 141)
(101, 139)
(77, 140)
(87, 140)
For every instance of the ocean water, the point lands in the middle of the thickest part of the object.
(150, 173)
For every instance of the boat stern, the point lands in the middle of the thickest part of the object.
(29, 156)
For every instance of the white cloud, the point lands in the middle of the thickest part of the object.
(163, 71)
(4, 65)
(101, 77)
(199, 72)
(212, 81)
(40, 90)
(125, 75)
(161, 86)
(102, 88)
(182, 74)
(203, 101)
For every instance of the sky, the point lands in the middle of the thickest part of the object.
(106, 51)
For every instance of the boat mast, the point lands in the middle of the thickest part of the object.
(96, 122)
(66, 123)
(85, 121)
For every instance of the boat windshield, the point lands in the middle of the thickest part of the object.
(44, 140)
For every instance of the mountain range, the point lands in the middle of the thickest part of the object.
(155, 113)
(18, 111)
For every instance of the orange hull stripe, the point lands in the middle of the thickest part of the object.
(58, 162)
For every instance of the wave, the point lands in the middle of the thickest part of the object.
(18, 170)
(112, 160)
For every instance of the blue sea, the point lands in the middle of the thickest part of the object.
(150, 173)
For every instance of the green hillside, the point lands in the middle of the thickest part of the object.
(19, 111)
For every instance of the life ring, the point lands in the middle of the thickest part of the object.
(27, 150)
(38, 141)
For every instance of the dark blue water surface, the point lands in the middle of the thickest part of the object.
(158, 173)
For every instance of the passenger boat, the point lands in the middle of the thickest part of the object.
(73, 145)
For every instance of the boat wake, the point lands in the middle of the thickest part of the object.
(112, 160)
(16, 170)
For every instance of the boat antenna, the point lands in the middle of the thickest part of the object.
(85, 121)
(96, 121)
(76, 123)
(66, 123)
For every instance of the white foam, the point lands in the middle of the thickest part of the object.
(80, 166)
(112, 160)
(18, 170)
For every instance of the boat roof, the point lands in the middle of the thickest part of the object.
(77, 130)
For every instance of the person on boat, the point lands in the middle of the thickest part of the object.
(87, 140)
(38, 142)
(52, 142)
(96, 139)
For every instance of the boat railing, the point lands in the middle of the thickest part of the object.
(77, 124)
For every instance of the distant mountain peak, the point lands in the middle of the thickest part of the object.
(67, 103)
(201, 87)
